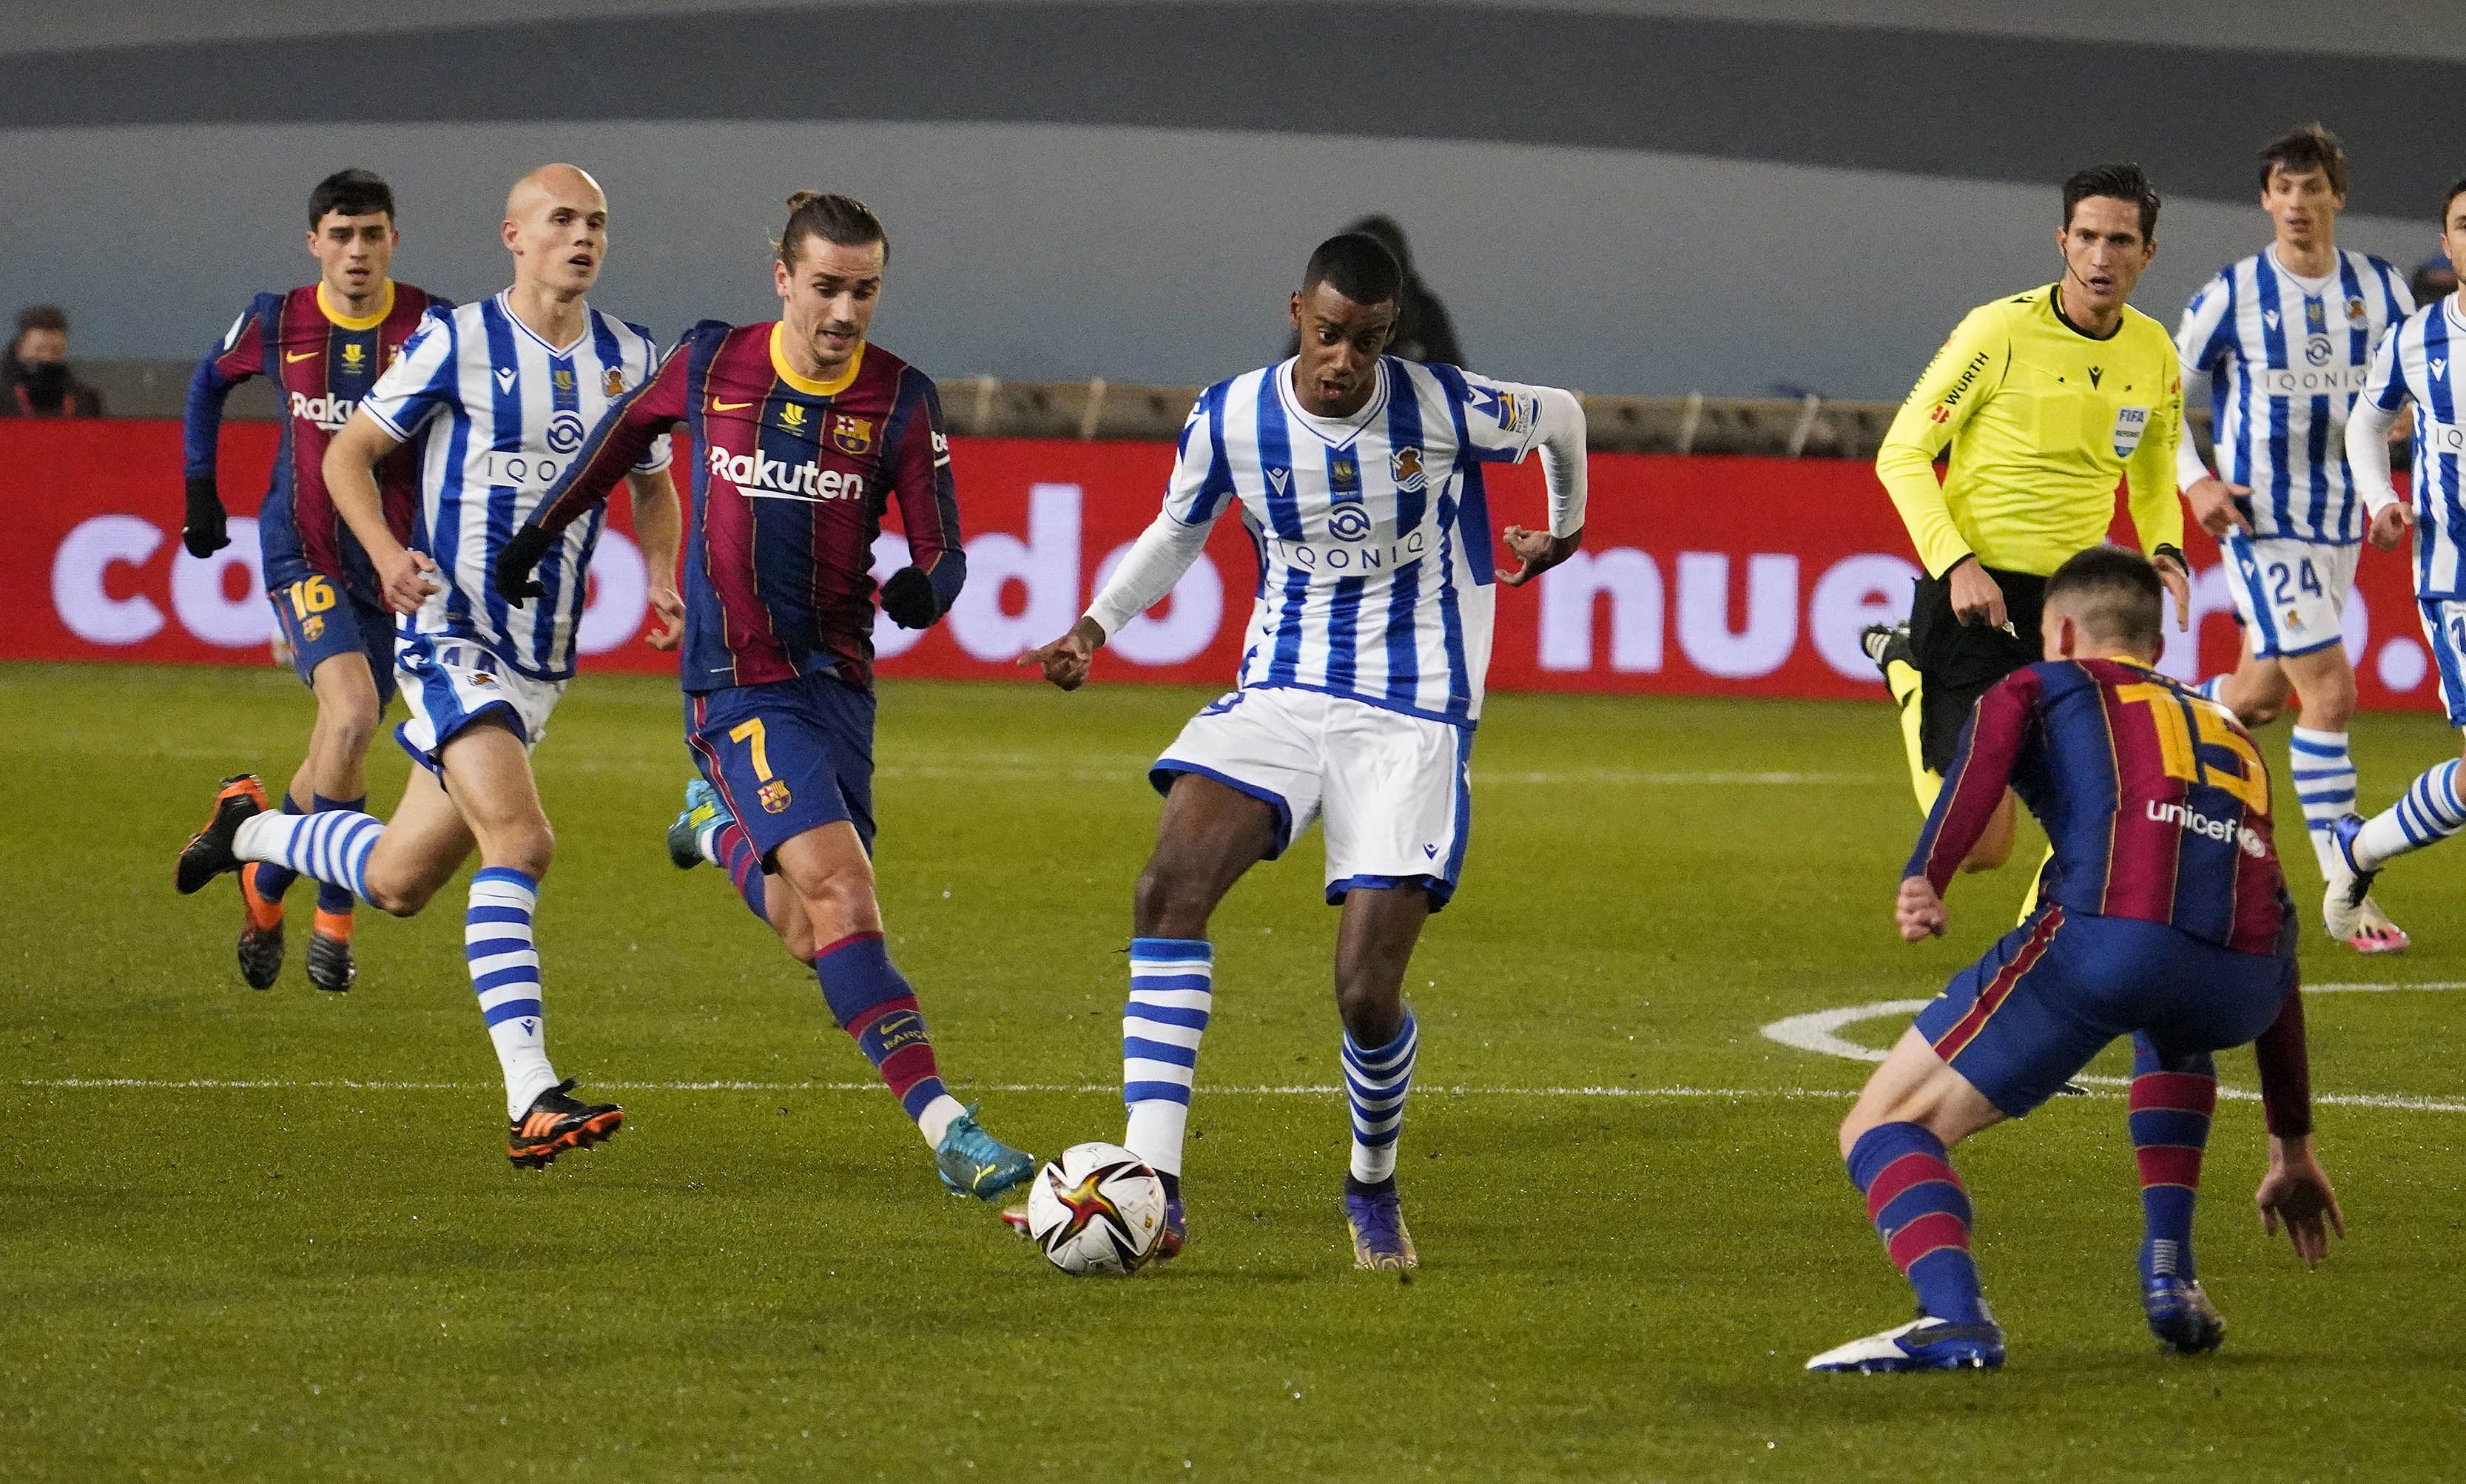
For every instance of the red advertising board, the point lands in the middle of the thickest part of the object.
(1700, 575)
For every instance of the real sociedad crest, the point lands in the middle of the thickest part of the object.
(1404, 469)
(612, 383)
(852, 435)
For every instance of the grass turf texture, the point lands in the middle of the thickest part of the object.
(348, 1282)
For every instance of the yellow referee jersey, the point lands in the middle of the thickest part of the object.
(2043, 421)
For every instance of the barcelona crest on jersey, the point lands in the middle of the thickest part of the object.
(852, 435)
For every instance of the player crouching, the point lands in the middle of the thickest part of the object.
(2162, 915)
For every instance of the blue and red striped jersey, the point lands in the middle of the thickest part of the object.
(790, 479)
(2155, 799)
(321, 362)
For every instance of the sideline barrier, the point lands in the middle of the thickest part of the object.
(1702, 575)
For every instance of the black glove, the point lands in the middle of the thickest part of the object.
(204, 531)
(522, 552)
(909, 597)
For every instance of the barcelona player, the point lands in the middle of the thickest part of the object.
(507, 390)
(2161, 916)
(803, 433)
(324, 345)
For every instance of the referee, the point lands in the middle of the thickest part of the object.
(2044, 400)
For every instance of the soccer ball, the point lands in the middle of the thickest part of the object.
(1096, 1210)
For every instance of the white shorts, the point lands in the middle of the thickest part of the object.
(1390, 790)
(452, 683)
(2291, 594)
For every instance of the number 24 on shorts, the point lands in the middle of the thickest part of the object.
(2300, 574)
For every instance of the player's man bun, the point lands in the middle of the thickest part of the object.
(353, 193)
(2300, 152)
(839, 219)
(2115, 594)
(1357, 266)
(2122, 180)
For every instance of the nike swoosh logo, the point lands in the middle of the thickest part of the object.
(301, 356)
(728, 407)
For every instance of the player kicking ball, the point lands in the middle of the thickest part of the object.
(802, 433)
(2162, 917)
(322, 346)
(1359, 477)
(505, 391)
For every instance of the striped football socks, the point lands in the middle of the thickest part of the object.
(505, 975)
(2170, 1129)
(1172, 992)
(1376, 1081)
(2429, 813)
(332, 845)
(873, 1002)
(1921, 1210)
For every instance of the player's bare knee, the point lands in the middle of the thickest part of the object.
(528, 847)
(1170, 902)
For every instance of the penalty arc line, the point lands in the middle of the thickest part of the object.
(1819, 1032)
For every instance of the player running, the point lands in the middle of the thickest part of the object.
(803, 432)
(323, 345)
(2044, 399)
(1358, 475)
(2418, 362)
(505, 391)
(2278, 345)
(2162, 915)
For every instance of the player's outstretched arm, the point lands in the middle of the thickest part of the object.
(1146, 573)
(2295, 1190)
(405, 578)
(205, 528)
(1558, 432)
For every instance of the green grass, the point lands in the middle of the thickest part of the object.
(315, 1278)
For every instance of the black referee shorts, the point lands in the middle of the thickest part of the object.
(1961, 662)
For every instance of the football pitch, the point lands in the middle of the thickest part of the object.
(274, 1235)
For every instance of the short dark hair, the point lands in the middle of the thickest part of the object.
(841, 219)
(2300, 150)
(353, 193)
(2120, 599)
(1357, 266)
(2122, 180)
(2449, 198)
(42, 317)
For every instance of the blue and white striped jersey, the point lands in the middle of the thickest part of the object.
(2283, 359)
(513, 410)
(2419, 361)
(1374, 535)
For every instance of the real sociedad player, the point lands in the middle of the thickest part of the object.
(803, 433)
(2161, 916)
(1360, 477)
(322, 346)
(2277, 345)
(2416, 363)
(505, 391)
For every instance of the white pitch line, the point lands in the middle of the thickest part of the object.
(1294, 1090)
(1819, 1032)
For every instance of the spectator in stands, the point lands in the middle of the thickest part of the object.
(34, 379)
(1423, 330)
(2433, 278)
